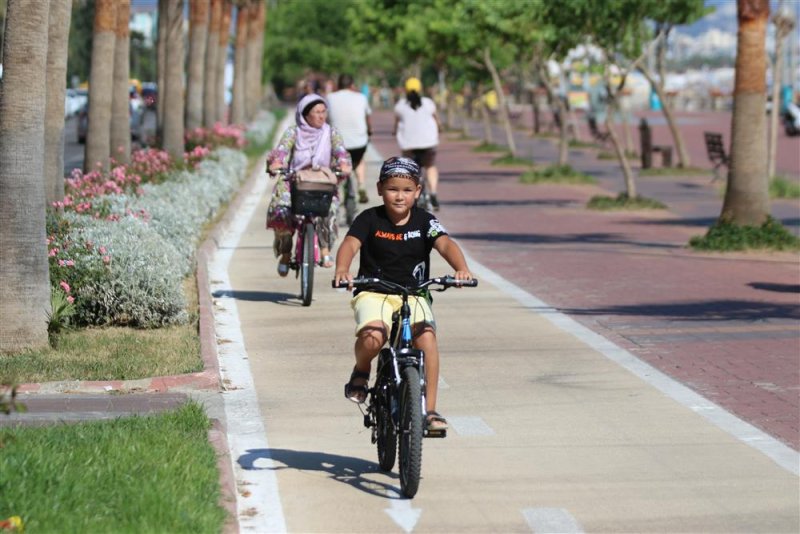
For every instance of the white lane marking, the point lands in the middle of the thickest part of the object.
(551, 520)
(470, 426)
(260, 510)
(781, 454)
(401, 511)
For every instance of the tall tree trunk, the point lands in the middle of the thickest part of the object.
(502, 109)
(255, 52)
(488, 136)
(24, 278)
(57, 37)
(198, 35)
(222, 61)
(238, 115)
(101, 82)
(161, 66)
(783, 26)
(173, 97)
(613, 95)
(210, 78)
(747, 195)
(120, 99)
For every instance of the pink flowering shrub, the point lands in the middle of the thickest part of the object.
(231, 136)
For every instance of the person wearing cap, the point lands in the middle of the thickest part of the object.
(417, 126)
(310, 143)
(349, 114)
(394, 242)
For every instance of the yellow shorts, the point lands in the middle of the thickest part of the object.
(369, 307)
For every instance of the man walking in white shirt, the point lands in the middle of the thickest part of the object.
(349, 112)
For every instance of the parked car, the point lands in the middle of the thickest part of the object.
(149, 95)
(74, 99)
(791, 119)
(136, 122)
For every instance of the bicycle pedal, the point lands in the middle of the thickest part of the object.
(435, 433)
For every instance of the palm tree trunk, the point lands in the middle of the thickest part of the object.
(101, 81)
(173, 97)
(210, 81)
(161, 66)
(222, 61)
(747, 195)
(501, 102)
(57, 37)
(198, 35)
(24, 277)
(255, 54)
(238, 114)
(120, 99)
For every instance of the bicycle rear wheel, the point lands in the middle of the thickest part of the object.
(307, 264)
(410, 431)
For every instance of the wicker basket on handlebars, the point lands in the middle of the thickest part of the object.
(312, 198)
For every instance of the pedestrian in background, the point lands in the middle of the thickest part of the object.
(417, 126)
(349, 113)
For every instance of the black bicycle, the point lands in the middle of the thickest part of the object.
(396, 407)
(310, 202)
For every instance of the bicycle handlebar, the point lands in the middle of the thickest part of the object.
(444, 281)
(287, 174)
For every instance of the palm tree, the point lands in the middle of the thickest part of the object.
(57, 37)
(101, 80)
(120, 98)
(747, 195)
(212, 50)
(173, 79)
(222, 59)
(24, 278)
(198, 35)
(238, 113)
(255, 55)
(161, 67)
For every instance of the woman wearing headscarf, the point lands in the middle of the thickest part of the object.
(417, 126)
(310, 143)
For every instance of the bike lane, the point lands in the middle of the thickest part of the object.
(547, 432)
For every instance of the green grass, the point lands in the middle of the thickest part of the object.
(674, 171)
(508, 159)
(107, 354)
(780, 187)
(607, 154)
(623, 202)
(563, 174)
(725, 236)
(135, 474)
(574, 143)
(488, 147)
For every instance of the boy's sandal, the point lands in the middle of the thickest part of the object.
(356, 393)
(434, 421)
(327, 262)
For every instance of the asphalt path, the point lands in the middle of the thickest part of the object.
(554, 428)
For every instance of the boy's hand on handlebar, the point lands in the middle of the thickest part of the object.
(343, 277)
(463, 275)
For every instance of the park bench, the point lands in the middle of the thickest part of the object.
(647, 147)
(597, 135)
(716, 152)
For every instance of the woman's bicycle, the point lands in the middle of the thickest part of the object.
(310, 202)
(396, 407)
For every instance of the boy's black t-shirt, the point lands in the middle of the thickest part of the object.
(400, 254)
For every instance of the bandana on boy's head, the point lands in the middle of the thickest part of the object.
(399, 166)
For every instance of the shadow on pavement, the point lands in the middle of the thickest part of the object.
(256, 296)
(779, 288)
(555, 239)
(559, 203)
(712, 310)
(708, 221)
(345, 469)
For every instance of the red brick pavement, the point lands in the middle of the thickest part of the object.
(726, 325)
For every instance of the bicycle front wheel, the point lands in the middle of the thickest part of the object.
(307, 264)
(410, 431)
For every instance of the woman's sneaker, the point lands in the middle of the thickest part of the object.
(362, 196)
(434, 202)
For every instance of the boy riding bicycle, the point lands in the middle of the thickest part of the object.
(395, 241)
